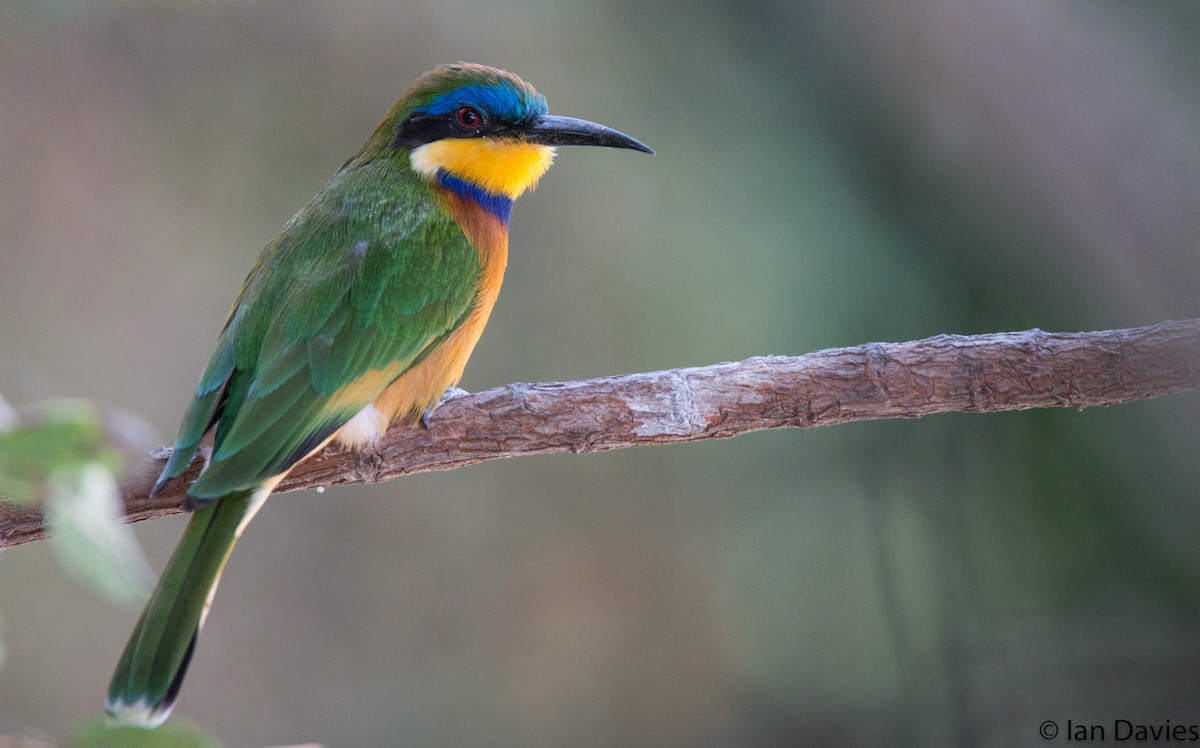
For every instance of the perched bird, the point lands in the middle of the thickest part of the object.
(362, 311)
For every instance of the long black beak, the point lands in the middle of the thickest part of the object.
(550, 130)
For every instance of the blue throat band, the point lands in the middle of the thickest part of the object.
(499, 206)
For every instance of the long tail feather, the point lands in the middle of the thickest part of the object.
(150, 672)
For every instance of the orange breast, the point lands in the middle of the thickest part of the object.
(424, 384)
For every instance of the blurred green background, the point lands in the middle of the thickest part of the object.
(828, 173)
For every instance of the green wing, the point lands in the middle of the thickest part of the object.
(352, 291)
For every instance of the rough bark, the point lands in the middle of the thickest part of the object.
(942, 374)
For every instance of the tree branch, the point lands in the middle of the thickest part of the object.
(942, 374)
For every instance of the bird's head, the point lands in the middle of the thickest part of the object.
(486, 127)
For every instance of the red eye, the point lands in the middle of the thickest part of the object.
(469, 117)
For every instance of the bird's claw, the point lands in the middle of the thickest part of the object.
(449, 394)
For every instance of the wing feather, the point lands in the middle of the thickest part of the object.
(353, 291)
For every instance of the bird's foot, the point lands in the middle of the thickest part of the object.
(449, 394)
(368, 462)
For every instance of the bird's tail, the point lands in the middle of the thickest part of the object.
(147, 679)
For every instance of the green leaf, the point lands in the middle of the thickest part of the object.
(58, 434)
(99, 734)
(30, 452)
(70, 454)
(87, 535)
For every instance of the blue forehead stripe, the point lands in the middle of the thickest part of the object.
(501, 101)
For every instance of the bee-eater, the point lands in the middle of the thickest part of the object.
(362, 311)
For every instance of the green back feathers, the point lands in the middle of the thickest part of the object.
(364, 278)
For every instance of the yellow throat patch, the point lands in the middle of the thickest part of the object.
(501, 167)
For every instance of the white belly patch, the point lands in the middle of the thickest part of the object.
(364, 428)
